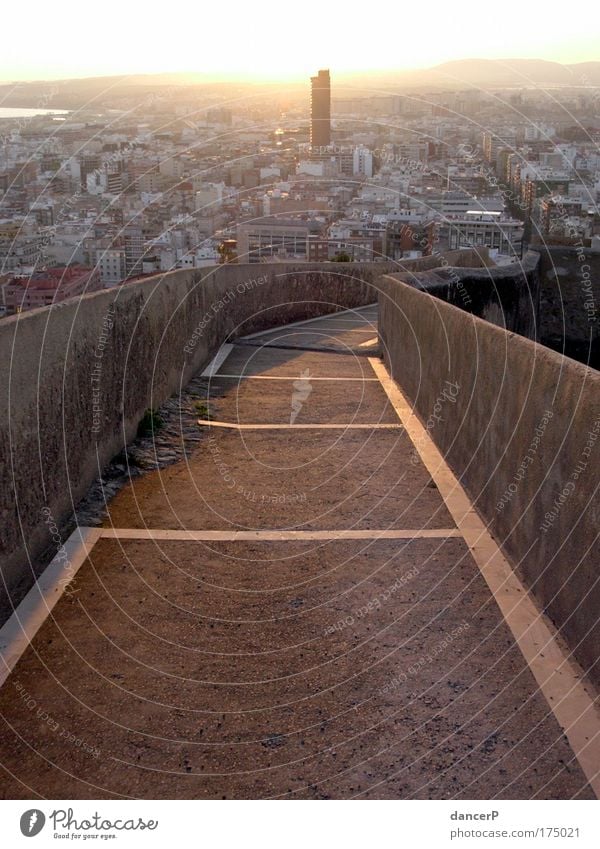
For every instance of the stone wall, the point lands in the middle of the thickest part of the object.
(570, 302)
(505, 295)
(523, 436)
(461, 258)
(76, 379)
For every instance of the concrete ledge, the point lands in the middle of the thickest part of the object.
(506, 295)
(75, 379)
(570, 302)
(520, 426)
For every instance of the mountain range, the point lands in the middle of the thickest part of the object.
(458, 74)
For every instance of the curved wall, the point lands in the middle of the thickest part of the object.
(75, 379)
(570, 302)
(507, 295)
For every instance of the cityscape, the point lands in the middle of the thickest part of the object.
(95, 198)
(300, 419)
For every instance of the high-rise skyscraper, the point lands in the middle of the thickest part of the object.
(320, 110)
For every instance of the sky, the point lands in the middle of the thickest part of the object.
(279, 40)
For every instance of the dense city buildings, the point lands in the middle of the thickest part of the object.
(42, 288)
(191, 181)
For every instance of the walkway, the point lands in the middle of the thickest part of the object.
(292, 612)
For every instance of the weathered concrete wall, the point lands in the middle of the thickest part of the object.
(570, 302)
(76, 379)
(504, 295)
(523, 436)
(461, 258)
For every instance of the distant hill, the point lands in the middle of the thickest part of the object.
(490, 73)
(458, 74)
(97, 92)
(515, 72)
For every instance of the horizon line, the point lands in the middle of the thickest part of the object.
(242, 77)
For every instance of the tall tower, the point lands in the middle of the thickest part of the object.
(320, 110)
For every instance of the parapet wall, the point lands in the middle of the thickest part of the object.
(76, 379)
(522, 433)
(570, 302)
(505, 295)
(460, 258)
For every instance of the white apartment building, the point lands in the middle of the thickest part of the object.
(362, 162)
(486, 229)
(210, 196)
(111, 265)
(495, 141)
(267, 239)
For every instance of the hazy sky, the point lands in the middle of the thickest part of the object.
(47, 39)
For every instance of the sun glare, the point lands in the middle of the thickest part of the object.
(268, 40)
